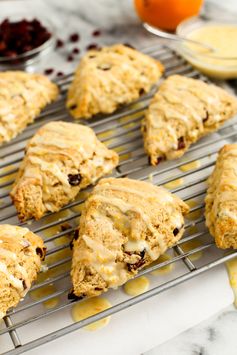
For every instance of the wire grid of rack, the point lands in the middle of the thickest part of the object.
(119, 131)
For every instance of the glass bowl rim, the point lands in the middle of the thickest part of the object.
(195, 20)
(46, 23)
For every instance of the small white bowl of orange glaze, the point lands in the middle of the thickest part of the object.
(221, 63)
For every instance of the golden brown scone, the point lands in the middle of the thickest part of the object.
(22, 97)
(125, 225)
(108, 78)
(182, 111)
(21, 252)
(60, 160)
(221, 199)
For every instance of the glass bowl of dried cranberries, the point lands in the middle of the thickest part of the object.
(24, 39)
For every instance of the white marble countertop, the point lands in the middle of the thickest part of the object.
(215, 336)
(118, 23)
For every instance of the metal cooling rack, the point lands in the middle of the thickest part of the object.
(120, 131)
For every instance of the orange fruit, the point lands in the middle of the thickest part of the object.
(166, 14)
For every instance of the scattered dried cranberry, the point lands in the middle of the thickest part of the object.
(74, 37)
(76, 50)
(49, 71)
(59, 43)
(21, 36)
(70, 58)
(181, 144)
(96, 33)
(59, 74)
(92, 46)
(74, 180)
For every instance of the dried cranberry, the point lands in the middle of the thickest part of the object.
(11, 54)
(74, 180)
(138, 264)
(59, 74)
(49, 71)
(181, 144)
(2, 46)
(72, 107)
(71, 244)
(76, 50)
(41, 252)
(74, 37)
(70, 58)
(59, 43)
(24, 284)
(175, 231)
(132, 267)
(96, 33)
(158, 160)
(92, 46)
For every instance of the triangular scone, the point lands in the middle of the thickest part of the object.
(21, 252)
(60, 160)
(221, 199)
(22, 96)
(125, 225)
(182, 111)
(109, 78)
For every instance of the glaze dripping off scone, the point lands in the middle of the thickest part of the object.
(108, 78)
(125, 225)
(182, 111)
(60, 160)
(221, 199)
(21, 252)
(22, 97)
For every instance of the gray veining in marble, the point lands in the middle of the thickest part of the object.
(215, 336)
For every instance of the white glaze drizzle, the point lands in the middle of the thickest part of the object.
(125, 207)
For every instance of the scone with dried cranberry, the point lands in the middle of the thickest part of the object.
(182, 111)
(221, 199)
(108, 78)
(22, 97)
(125, 225)
(21, 252)
(60, 160)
